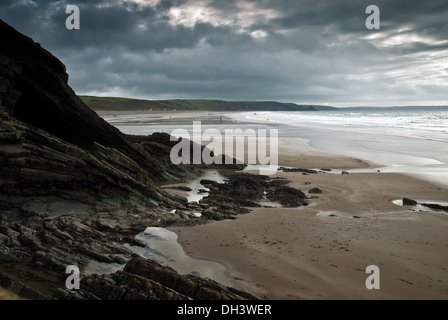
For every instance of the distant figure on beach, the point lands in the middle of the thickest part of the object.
(220, 119)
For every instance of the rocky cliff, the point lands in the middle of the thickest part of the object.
(73, 189)
(51, 143)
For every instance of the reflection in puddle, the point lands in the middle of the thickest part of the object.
(199, 191)
(270, 204)
(162, 246)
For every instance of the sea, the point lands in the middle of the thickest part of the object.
(410, 140)
(405, 140)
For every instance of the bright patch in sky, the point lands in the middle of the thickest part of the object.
(193, 12)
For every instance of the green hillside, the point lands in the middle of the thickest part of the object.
(91, 99)
(128, 104)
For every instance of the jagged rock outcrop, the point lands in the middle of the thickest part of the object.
(243, 190)
(144, 279)
(73, 189)
(52, 144)
(159, 145)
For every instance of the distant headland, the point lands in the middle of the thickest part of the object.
(129, 104)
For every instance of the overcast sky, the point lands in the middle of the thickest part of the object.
(312, 52)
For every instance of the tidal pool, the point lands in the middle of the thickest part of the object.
(163, 247)
(196, 187)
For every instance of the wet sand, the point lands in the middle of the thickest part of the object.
(322, 251)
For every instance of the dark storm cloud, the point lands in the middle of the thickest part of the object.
(300, 51)
(109, 24)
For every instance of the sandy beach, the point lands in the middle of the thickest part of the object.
(322, 251)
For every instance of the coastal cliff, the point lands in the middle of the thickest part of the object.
(74, 189)
(53, 144)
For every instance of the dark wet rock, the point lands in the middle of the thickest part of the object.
(10, 255)
(28, 238)
(193, 205)
(105, 225)
(50, 261)
(288, 196)
(409, 202)
(89, 251)
(240, 187)
(56, 231)
(183, 188)
(298, 170)
(134, 242)
(215, 214)
(144, 279)
(204, 205)
(126, 286)
(243, 190)
(315, 191)
(10, 233)
(189, 285)
(47, 238)
(160, 144)
(3, 239)
(138, 227)
(64, 294)
(207, 182)
(275, 183)
(435, 206)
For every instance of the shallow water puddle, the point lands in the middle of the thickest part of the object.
(163, 247)
(270, 204)
(199, 191)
